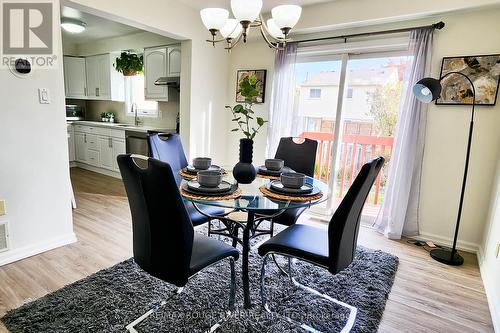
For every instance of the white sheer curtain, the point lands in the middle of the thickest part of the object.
(282, 107)
(399, 215)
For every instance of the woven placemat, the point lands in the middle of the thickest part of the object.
(268, 177)
(234, 195)
(273, 195)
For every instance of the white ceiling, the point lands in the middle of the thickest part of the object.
(268, 4)
(97, 27)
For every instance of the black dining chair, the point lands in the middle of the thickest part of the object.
(168, 148)
(164, 242)
(332, 249)
(300, 155)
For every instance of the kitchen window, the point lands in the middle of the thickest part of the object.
(134, 93)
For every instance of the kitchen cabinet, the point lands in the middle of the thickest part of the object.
(75, 82)
(98, 147)
(103, 81)
(71, 143)
(106, 152)
(162, 61)
(81, 147)
(174, 61)
(119, 148)
(155, 66)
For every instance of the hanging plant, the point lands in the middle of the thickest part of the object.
(129, 64)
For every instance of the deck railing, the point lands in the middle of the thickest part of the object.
(355, 150)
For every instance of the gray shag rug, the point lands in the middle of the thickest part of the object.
(112, 298)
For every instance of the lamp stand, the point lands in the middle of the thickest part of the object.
(451, 256)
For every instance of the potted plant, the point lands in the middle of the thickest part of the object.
(129, 64)
(246, 121)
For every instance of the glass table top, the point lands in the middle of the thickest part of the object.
(252, 199)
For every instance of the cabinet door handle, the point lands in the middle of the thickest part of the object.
(110, 142)
(97, 91)
(85, 137)
(85, 91)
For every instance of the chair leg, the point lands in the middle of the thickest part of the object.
(352, 310)
(232, 291)
(130, 327)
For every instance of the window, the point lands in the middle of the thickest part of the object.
(349, 92)
(134, 93)
(315, 93)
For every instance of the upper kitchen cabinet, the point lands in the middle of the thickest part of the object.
(160, 62)
(75, 83)
(103, 81)
(155, 66)
(174, 61)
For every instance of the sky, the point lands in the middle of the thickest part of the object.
(302, 69)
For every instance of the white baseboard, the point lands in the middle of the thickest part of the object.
(446, 241)
(31, 250)
(98, 170)
(490, 292)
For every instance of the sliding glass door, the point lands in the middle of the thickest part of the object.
(350, 105)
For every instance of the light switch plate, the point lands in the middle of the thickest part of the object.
(43, 96)
(3, 207)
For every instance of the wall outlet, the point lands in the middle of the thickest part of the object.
(3, 207)
(497, 253)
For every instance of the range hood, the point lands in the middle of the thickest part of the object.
(173, 82)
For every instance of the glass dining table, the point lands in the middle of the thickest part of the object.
(259, 208)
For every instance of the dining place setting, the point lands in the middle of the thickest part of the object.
(206, 181)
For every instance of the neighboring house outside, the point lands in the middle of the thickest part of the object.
(317, 99)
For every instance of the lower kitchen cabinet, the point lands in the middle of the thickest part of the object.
(98, 148)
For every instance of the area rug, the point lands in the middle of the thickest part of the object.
(112, 298)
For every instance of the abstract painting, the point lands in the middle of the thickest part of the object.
(483, 70)
(261, 84)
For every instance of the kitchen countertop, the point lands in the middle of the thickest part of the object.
(125, 127)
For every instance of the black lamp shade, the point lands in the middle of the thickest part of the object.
(427, 90)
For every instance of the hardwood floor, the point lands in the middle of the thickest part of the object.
(426, 296)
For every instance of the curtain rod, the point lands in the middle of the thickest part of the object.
(440, 25)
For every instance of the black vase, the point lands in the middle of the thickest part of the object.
(244, 172)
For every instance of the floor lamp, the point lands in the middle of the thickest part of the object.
(426, 91)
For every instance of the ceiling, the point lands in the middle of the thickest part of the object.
(97, 27)
(268, 4)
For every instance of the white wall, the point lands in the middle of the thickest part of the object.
(135, 41)
(447, 126)
(34, 173)
(253, 55)
(204, 68)
(489, 262)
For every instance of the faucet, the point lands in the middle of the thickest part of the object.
(133, 109)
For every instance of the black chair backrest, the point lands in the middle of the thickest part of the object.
(344, 225)
(162, 230)
(168, 148)
(300, 155)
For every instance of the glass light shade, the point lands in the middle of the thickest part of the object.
(274, 30)
(73, 25)
(246, 10)
(286, 16)
(427, 90)
(231, 29)
(214, 18)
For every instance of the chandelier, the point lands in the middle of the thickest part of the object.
(248, 15)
